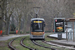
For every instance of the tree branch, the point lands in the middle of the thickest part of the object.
(11, 13)
(4, 21)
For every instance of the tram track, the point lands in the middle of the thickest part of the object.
(58, 45)
(52, 44)
(10, 44)
(21, 43)
(36, 43)
(25, 45)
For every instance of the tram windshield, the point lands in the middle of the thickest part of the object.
(37, 27)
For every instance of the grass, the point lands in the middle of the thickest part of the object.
(4, 45)
(17, 45)
(30, 44)
(27, 42)
(49, 39)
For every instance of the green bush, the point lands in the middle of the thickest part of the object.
(3, 33)
(12, 32)
(27, 32)
(47, 31)
(21, 32)
(12, 28)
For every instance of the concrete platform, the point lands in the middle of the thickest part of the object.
(61, 42)
(64, 42)
(56, 35)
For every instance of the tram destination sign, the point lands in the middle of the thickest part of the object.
(59, 25)
(37, 21)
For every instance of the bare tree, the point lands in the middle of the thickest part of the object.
(19, 23)
(1, 13)
(49, 10)
(7, 13)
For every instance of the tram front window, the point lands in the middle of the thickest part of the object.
(37, 27)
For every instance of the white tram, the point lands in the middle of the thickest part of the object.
(37, 29)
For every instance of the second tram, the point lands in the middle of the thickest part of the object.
(37, 29)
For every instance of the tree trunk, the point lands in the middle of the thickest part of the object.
(0, 24)
(25, 22)
(8, 26)
(1, 13)
(19, 25)
(12, 19)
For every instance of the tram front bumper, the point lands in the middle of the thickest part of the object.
(37, 37)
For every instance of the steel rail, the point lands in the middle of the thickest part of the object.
(25, 45)
(42, 45)
(10, 44)
(58, 45)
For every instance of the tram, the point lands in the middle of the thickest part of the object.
(37, 29)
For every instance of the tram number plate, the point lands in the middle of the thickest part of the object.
(37, 21)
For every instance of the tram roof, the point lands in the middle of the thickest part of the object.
(37, 19)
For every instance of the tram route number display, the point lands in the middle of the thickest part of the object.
(59, 25)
